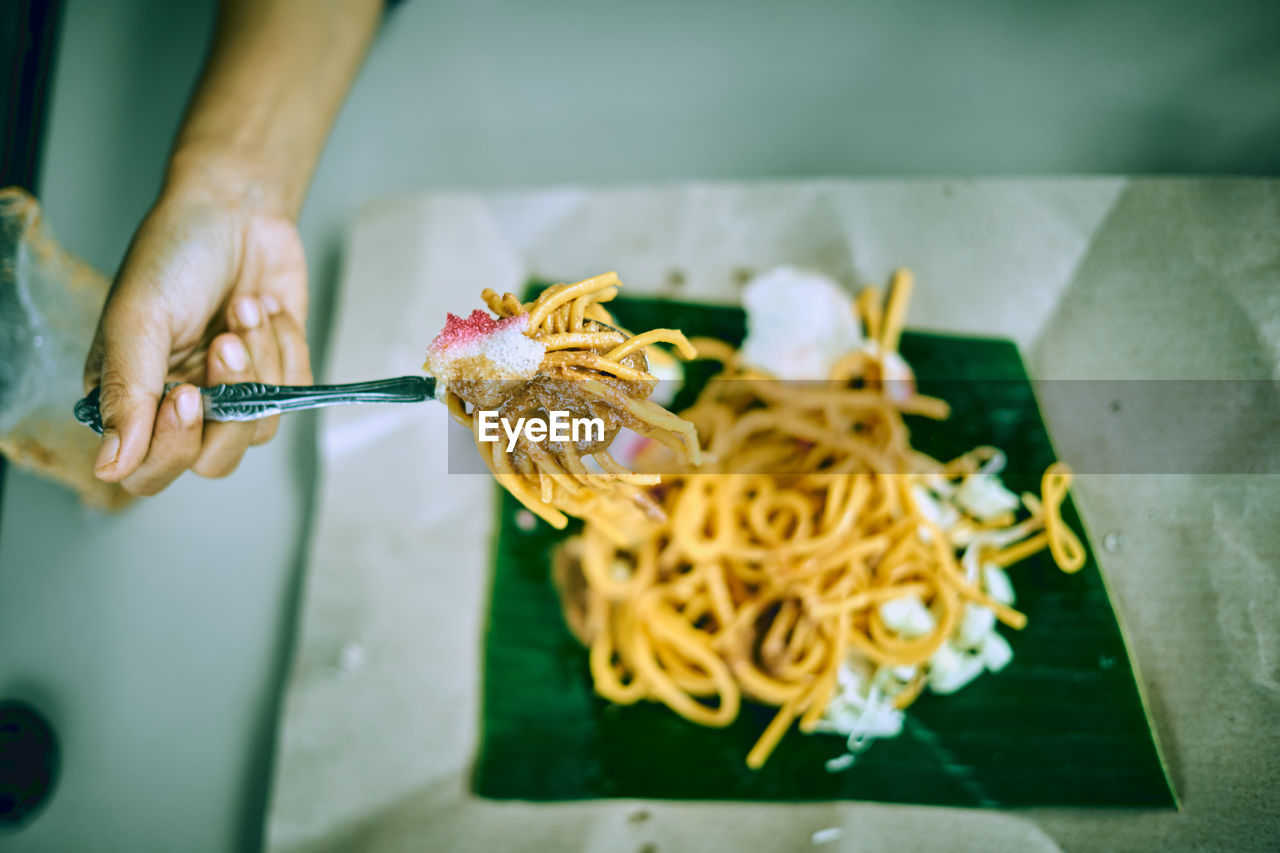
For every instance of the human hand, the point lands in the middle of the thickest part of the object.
(212, 290)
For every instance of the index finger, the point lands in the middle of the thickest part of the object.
(129, 365)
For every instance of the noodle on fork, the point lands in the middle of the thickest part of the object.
(576, 361)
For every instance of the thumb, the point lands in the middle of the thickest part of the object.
(129, 361)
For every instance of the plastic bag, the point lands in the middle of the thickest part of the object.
(49, 306)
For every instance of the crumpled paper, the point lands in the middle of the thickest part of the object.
(1097, 278)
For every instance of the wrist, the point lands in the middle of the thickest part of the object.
(205, 171)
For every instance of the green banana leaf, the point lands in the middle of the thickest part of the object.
(1064, 724)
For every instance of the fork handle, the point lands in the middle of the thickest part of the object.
(250, 401)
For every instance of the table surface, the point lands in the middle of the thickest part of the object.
(1095, 279)
(156, 640)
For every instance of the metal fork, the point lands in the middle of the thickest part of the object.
(250, 401)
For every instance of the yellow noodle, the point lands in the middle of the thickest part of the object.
(764, 573)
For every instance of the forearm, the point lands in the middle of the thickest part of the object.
(271, 88)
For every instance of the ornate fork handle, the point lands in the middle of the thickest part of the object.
(249, 401)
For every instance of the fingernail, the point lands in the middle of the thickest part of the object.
(188, 406)
(271, 304)
(109, 451)
(247, 313)
(234, 355)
